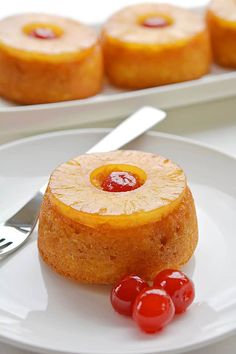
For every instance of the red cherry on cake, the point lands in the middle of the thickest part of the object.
(155, 22)
(153, 309)
(43, 33)
(118, 181)
(178, 286)
(124, 293)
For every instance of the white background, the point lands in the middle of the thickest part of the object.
(89, 11)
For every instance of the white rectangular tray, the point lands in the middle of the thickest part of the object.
(113, 103)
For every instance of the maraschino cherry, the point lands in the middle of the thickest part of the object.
(153, 309)
(118, 181)
(155, 22)
(178, 286)
(125, 292)
(43, 33)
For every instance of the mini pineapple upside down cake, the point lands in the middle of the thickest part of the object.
(152, 44)
(106, 215)
(221, 19)
(45, 58)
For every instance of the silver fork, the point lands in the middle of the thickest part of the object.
(16, 230)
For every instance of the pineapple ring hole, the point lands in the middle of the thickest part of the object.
(55, 30)
(162, 20)
(101, 173)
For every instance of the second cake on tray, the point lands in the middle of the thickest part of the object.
(148, 45)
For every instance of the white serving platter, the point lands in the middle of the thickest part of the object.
(114, 103)
(43, 312)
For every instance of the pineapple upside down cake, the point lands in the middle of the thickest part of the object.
(221, 18)
(148, 45)
(106, 215)
(45, 58)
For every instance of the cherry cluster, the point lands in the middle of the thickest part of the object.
(153, 307)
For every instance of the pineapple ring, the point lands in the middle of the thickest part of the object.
(139, 57)
(76, 37)
(71, 191)
(35, 70)
(221, 18)
(226, 10)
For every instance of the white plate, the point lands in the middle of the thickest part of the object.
(42, 311)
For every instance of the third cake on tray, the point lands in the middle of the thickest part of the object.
(45, 58)
(221, 18)
(147, 45)
(110, 214)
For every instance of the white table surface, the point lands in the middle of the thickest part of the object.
(213, 123)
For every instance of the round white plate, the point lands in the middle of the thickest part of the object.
(42, 311)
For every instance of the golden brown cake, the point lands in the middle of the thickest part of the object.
(96, 236)
(46, 58)
(221, 18)
(154, 44)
